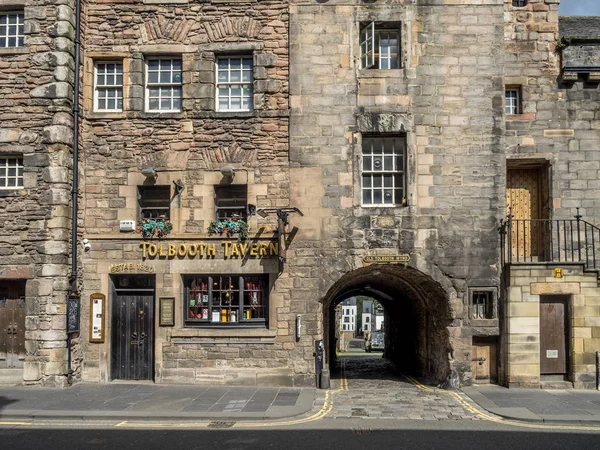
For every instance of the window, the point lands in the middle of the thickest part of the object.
(234, 83)
(231, 202)
(519, 3)
(367, 319)
(347, 319)
(108, 91)
(383, 177)
(163, 85)
(379, 47)
(11, 173)
(226, 299)
(12, 29)
(154, 201)
(512, 101)
(482, 305)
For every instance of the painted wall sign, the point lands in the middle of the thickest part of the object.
(130, 267)
(227, 249)
(558, 273)
(97, 304)
(167, 311)
(403, 258)
(553, 354)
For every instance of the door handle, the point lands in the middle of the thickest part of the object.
(134, 335)
(143, 336)
(479, 360)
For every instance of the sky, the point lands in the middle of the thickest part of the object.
(579, 8)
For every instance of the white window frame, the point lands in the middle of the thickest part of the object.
(18, 166)
(512, 101)
(249, 84)
(105, 87)
(19, 34)
(164, 85)
(370, 47)
(398, 174)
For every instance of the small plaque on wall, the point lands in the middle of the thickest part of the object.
(167, 311)
(97, 302)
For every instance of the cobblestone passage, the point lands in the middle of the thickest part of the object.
(375, 391)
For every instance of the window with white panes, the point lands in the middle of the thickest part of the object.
(108, 89)
(379, 47)
(512, 101)
(163, 85)
(383, 171)
(11, 172)
(234, 83)
(12, 29)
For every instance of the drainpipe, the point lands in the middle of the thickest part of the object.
(72, 291)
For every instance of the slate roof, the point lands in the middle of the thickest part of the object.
(583, 27)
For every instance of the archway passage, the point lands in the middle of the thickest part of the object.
(416, 317)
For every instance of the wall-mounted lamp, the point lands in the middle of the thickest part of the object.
(228, 172)
(179, 186)
(283, 219)
(150, 173)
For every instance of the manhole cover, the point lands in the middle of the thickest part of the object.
(359, 412)
(221, 424)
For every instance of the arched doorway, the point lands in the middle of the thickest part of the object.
(417, 316)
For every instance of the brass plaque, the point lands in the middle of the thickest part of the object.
(167, 311)
(403, 258)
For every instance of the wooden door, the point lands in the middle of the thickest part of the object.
(524, 200)
(12, 324)
(132, 337)
(553, 334)
(484, 363)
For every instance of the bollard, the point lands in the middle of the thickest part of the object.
(598, 371)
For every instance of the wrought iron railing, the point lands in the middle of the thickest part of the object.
(545, 240)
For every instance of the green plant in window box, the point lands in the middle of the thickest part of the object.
(149, 228)
(229, 227)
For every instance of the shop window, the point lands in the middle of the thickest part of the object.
(231, 202)
(154, 202)
(12, 25)
(383, 174)
(519, 3)
(482, 305)
(380, 46)
(163, 85)
(234, 83)
(226, 299)
(512, 101)
(108, 86)
(11, 173)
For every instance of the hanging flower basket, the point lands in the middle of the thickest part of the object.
(149, 228)
(229, 227)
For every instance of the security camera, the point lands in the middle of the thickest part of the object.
(86, 245)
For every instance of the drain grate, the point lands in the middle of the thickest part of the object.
(361, 431)
(359, 412)
(220, 424)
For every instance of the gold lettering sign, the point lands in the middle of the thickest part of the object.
(403, 258)
(558, 273)
(226, 248)
(130, 267)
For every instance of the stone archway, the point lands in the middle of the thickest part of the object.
(417, 317)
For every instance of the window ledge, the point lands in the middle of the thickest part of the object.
(238, 331)
(232, 114)
(14, 192)
(14, 50)
(107, 115)
(525, 116)
(161, 115)
(380, 73)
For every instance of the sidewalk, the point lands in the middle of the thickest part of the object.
(138, 401)
(538, 405)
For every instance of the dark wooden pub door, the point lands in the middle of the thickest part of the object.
(12, 324)
(553, 334)
(132, 336)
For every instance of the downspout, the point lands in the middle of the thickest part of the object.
(73, 291)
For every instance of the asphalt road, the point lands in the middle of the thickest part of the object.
(327, 434)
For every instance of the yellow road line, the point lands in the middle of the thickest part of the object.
(15, 423)
(486, 416)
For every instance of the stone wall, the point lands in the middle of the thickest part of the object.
(36, 95)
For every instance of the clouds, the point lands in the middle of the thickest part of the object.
(579, 8)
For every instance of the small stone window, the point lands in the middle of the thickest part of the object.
(154, 202)
(383, 171)
(234, 83)
(231, 202)
(108, 87)
(482, 304)
(380, 46)
(12, 26)
(163, 85)
(11, 173)
(519, 3)
(512, 100)
(226, 299)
